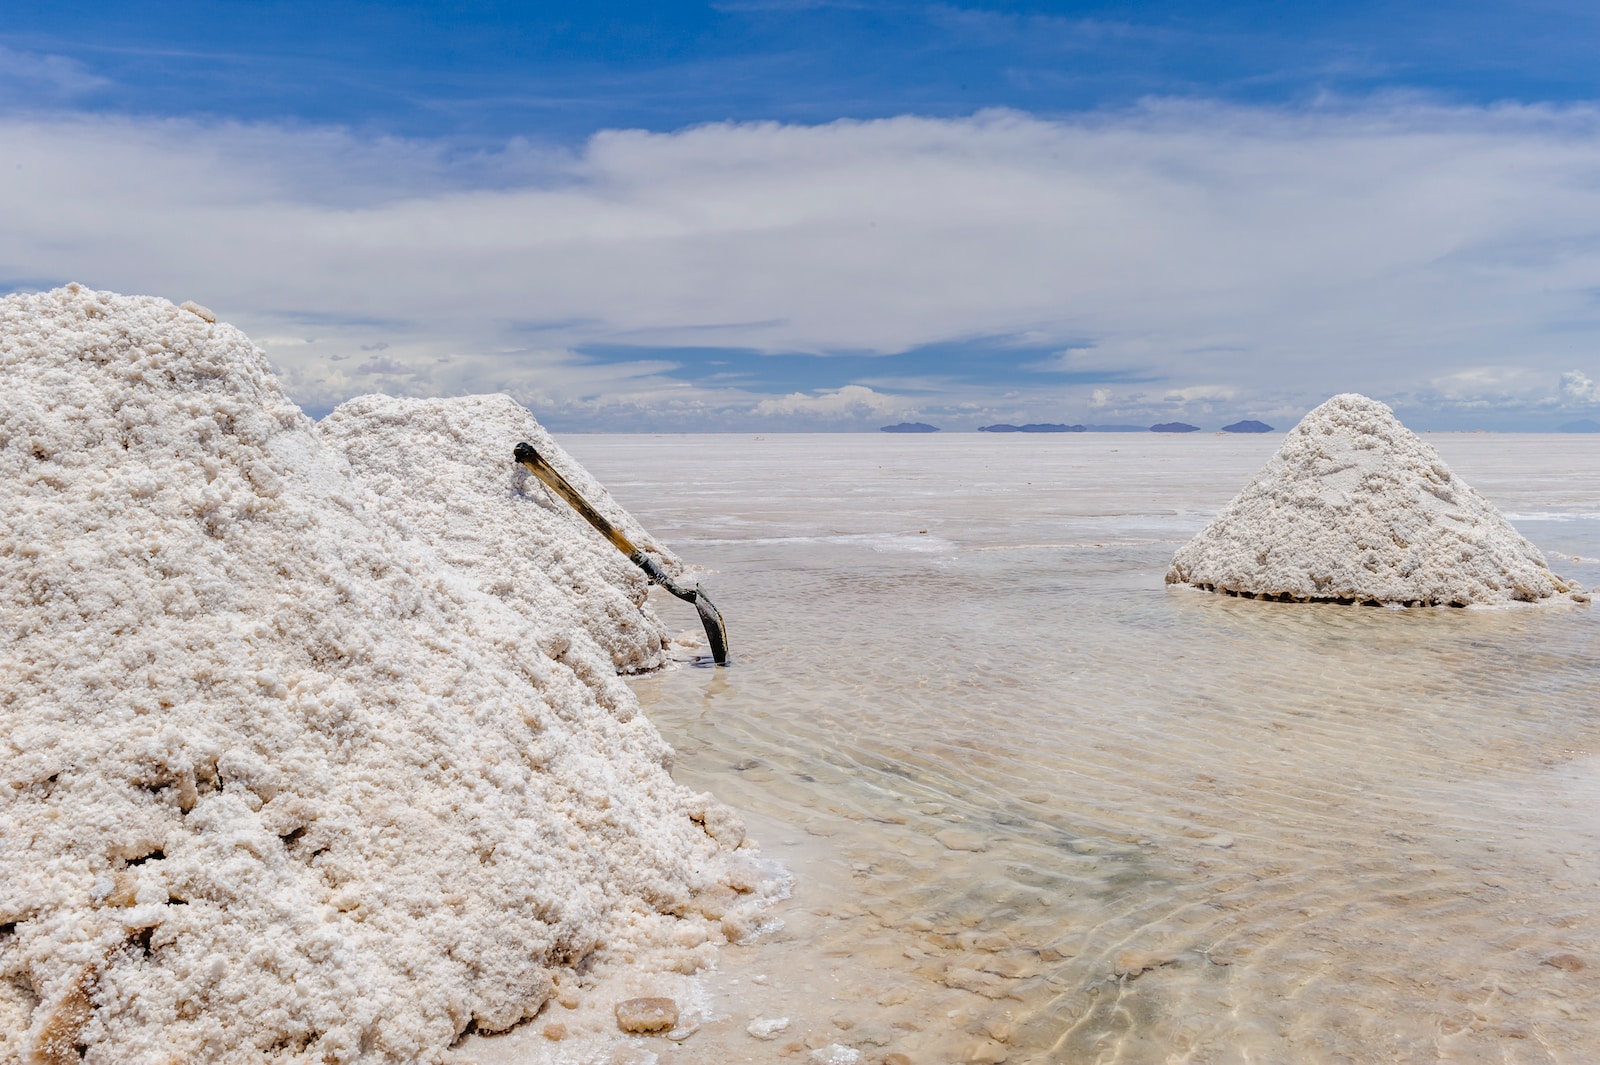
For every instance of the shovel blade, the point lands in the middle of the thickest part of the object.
(716, 631)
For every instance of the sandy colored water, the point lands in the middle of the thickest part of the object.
(1041, 808)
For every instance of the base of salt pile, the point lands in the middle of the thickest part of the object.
(1356, 508)
(285, 779)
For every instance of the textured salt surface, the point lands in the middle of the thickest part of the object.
(278, 781)
(446, 465)
(1356, 507)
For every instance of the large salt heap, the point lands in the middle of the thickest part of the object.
(279, 783)
(1354, 507)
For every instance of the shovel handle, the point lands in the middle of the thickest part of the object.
(547, 473)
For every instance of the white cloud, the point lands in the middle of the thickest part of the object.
(1250, 253)
(385, 365)
(852, 402)
(1577, 386)
(1489, 385)
(1202, 395)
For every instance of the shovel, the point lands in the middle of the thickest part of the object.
(710, 617)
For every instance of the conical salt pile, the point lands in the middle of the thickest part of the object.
(277, 783)
(1354, 507)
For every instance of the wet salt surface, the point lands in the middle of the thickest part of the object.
(1041, 808)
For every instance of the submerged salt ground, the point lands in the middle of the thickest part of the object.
(294, 768)
(1356, 508)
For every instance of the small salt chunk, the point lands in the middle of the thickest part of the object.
(194, 308)
(647, 1015)
(767, 1027)
(1131, 963)
(836, 1054)
(979, 983)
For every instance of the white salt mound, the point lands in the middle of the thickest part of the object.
(279, 783)
(446, 465)
(1354, 507)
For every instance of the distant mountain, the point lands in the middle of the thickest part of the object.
(1582, 425)
(1174, 427)
(1248, 426)
(910, 427)
(1032, 427)
(1117, 428)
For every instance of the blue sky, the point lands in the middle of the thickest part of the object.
(765, 214)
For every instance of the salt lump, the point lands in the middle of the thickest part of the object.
(277, 780)
(1354, 507)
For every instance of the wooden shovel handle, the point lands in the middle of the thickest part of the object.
(547, 473)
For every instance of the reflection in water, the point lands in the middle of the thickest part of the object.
(1041, 808)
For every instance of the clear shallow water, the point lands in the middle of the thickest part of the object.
(1042, 808)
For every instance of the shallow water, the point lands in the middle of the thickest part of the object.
(1042, 808)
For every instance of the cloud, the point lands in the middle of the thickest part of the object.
(1578, 387)
(1203, 395)
(852, 402)
(1264, 255)
(385, 365)
(35, 78)
(1489, 385)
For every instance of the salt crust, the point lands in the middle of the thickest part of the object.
(446, 465)
(1355, 507)
(280, 783)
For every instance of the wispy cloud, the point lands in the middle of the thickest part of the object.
(1232, 258)
(385, 365)
(39, 78)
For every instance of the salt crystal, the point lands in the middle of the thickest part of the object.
(767, 1028)
(647, 1014)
